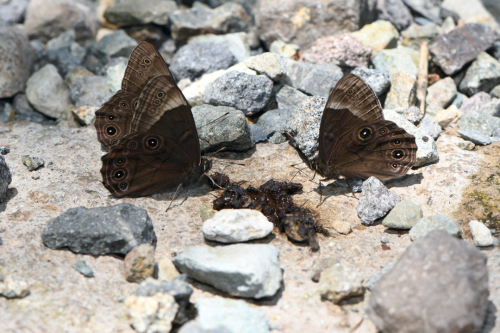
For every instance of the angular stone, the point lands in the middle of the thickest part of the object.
(102, 230)
(474, 136)
(426, 278)
(416, 34)
(32, 162)
(395, 61)
(403, 91)
(63, 41)
(442, 93)
(5, 178)
(472, 11)
(243, 270)
(320, 266)
(431, 127)
(482, 75)
(90, 91)
(236, 42)
(375, 201)
(258, 133)
(139, 263)
(81, 267)
(151, 314)
(320, 80)
(11, 287)
(403, 216)
(12, 12)
(274, 121)
(342, 227)
(85, 115)
(379, 35)
(289, 98)
(131, 12)
(340, 281)
(166, 270)
(395, 12)
(475, 103)
(269, 64)
(116, 44)
(435, 222)
(480, 234)
(378, 80)
(484, 123)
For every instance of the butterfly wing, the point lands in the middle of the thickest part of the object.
(356, 141)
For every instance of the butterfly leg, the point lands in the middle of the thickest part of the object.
(175, 195)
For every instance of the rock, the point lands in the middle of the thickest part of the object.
(243, 270)
(413, 114)
(287, 51)
(102, 230)
(24, 111)
(193, 60)
(85, 115)
(480, 234)
(426, 278)
(416, 34)
(258, 133)
(236, 43)
(340, 281)
(201, 19)
(116, 44)
(448, 24)
(32, 162)
(35, 175)
(223, 315)
(269, 64)
(379, 35)
(62, 59)
(248, 93)
(403, 91)
(475, 103)
(435, 222)
(403, 216)
(495, 134)
(12, 12)
(474, 136)
(90, 91)
(472, 11)
(5, 176)
(378, 80)
(130, 12)
(297, 71)
(428, 9)
(11, 287)
(482, 75)
(495, 92)
(302, 23)
(384, 239)
(45, 20)
(484, 123)
(370, 284)
(342, 227)
(466, 145)
(115, 70)
(453, 50)
(231, 131)
(17, 59)
(320, 80)
(207, 212)
(442, 93)
(4, 151)
(431, 127)
(289, 98)
(395, 61)
(47, 92)
(166, 270)
(277, 138)
(459, 100)
(320, 266)
(81, 267)
(139, 263)
(76, 73)
(375, 201)
(236, 225)
(151, 314)
(62, 41)
(341, 50)
(274, 121)
(395, 12)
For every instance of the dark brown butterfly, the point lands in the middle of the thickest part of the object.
(158, 145)
(354, 139)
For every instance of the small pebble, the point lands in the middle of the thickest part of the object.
(339, 282)
(320, 265)
(81, 266)
(342, 227)
(35, 175)
(384, 239)
(13, 288)
(166, 270)
(139, 263)
(4, 150)
(466, 145)
(32, 162)
(480, 234)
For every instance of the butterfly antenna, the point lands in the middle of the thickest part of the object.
(213, 121)
(218, 151)
(175, 195)
(213, 181)
(304, 203)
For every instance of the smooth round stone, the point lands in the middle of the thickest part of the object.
(435, 222)
(342, 227)
(403, 216)
(236, 225)
(339, 282)
(480, 233)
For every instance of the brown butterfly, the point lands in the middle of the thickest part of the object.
(354, 139)
(157, 142)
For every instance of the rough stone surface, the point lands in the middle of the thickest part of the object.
(475, 103)
(130, 12)
(482, 75)
(62, 59)
(474, 136)
(395, 61)
(139, 263)
(492, 108)
(90, 91)
(427, 277)
(431, 127)
(395, 12)
(166, 270)
(340, 281)
(11, 287)
(378, 80)
(5, 178)
(258, 133)
(379, 35)
(415, 34)
(243, 270)
(442, 93)
(403, 216)
(320, 80)
(151, 314)
(275, 121)
(289, 98)
(17, 59)
(24, 111)
(116, 44)
(403, 91)
(472, 11)
(484, 123)
(375, 201)
(270, 64)
(480, 234)
(32, 162)
(104, 230)
(236, 225)
(435, 222)
(236, 42)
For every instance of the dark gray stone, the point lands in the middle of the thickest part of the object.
(395, 12)
(482, 75)
(6, 112)
(419, 294)
(320, 80)
(132, 12)
(258, 133)
(378, 80)
(222, 127)
(90, 91)
(4, 150)
(81, 266)
(245, 92)
(495, 50)
(428, 9)
(289, 98)
(274, 120)
(277, 138)
(474, 136)
(38, 47)
(484, 123)
(116, 44)
(62, 59)
(193, 60)
(5, 178)
(460, 46)
(13, 12)
(375, 201)
(102, 230)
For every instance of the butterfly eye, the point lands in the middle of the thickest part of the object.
(143, 66)
(114, 142)
(383, 131)
(119, 174)
(160, 94)
(120, 161)
(132, 145)
(123, 186)
(123, 104)
(147, 61)
(152, 143)
(157, 102)
(365, 133)
(394, 165)
(110, 117)
(111, 131)
(136, 104)
(350, 91)
(397, 142)
(398, 154)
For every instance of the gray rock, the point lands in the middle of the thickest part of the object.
(484, 123)
(495, 92)
(428, 9)
(340, 281)
(115, 70)
(270, 64)
(395, 12)
(223, 127)
(62, 59)
(102, 230)
(245, 92)
(320, 80)
(466, 145)
(13, 12)
(296, 71)
(258, 133)
(403, 216)
(11, 287)
(403, 92)
(193, 60)
(32, 162)
(492, 108)
(289, 98)
(430, 127)
(475, 103)
(90, 91)
(425, 281)
(47, 92)
(413, 114)
(4, 150)
(274, 120)
(496, 133)
(17, 58)
(378, 80)
(395, 61)
(5, 178)
(375, 201)
(243, 270)
(475, 136)
(370, 284)
(48, 19)
(201, 19)
(38, 47)
(6, 112)
(482, 75)
(442, 93)
(81, 266)
(63, 41)
(416, 34)
(459, 100)
(131, 12)
(453, 50)
(116, 44)
(435, 222)
(236, 43)
(277, 138)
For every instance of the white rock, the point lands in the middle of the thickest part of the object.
(152, 314)
(480, 233)
(236, 225)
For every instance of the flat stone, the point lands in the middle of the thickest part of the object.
(130, 12)
(474, 136)
(442, 93)
(166, 270)
(482, 75)
(484, 123)
(435, 222)
(395, 61)
(431, 127)
(81, 267)
(340, 281)
(378, 35)
(270, 64)
(5, 177)
(116, 44)
(378, 80)
(139, 263)
(403, 216)
(275, 120)
(403, 91)
(102, 230)
(288, 98)
(151, 314)
(427, 276)
(236, 42)
(480, 234)
(375, 201)
(243, 270)
(90, 91)
(11, 287)
(236, 225)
